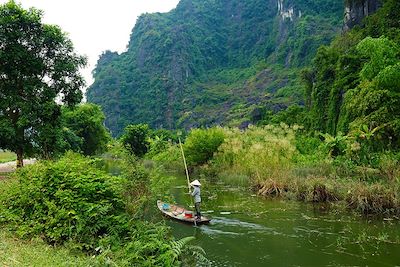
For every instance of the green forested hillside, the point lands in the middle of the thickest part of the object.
(213, 62)
(354, 83)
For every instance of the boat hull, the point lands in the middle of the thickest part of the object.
(178, 213)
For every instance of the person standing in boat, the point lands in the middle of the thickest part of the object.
(197, 198)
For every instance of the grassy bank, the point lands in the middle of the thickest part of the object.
(36, 253)
(7, 156)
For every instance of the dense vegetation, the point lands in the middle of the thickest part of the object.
(212, 62)
(83, 130)
(282, 162)
(355, 82)
(73, 203)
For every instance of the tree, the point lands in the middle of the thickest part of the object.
(37, 66)
(375, 103)
(136, 139)
(201, 144)
(87, 122)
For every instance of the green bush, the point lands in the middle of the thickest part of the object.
(170, 158)
(84, 129)
(201, 144)
(135, 139)
(65, 200)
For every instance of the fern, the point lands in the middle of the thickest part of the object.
(177, 246)
(181, 249)
(199, 255)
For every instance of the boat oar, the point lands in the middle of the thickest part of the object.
(187, 174)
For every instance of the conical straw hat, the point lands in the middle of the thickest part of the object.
(195, 182)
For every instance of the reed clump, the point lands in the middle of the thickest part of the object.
(375, 198)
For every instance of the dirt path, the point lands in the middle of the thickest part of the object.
(11, 166)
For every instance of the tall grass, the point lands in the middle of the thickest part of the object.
(262, 154)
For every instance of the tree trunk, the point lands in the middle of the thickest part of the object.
(20, 157)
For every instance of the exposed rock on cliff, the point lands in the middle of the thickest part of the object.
(357, 10)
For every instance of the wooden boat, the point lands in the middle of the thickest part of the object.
(180, 213)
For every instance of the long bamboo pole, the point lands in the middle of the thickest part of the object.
(184, 162)
(187, 175)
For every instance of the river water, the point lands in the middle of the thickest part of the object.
(247, 230)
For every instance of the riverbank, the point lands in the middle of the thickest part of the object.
(281, 162)
(74, 204)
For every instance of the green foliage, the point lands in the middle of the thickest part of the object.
(160, 140)
(381, 53)
(73, 202)
(177, 246)
(374, 103)
(336, 145)
(354, 84)
(136, 139)
(294, 114)
(189, 255)
(201, 144)
(170, 158)
(86, 122)
(147, 246)
(29, 113)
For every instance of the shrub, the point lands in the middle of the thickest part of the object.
(84, 129)
(170, 158)
(135, 139)
(157, 145)
(201, 144)
(65, 200)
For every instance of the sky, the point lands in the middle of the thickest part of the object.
(96, 25)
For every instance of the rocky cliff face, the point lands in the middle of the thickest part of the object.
(210, 61)
(357, 10)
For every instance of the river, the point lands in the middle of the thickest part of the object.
(247, 230)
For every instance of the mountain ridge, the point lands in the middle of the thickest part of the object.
(200, 63)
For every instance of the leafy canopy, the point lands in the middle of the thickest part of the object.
(87, 122)
(38, 65)
(353, 86)
(136, 139)
(201, 144)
